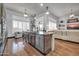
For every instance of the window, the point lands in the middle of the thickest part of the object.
(19, 26)
(15, 24)
(41, 26)
(52, 26)
(25, 26)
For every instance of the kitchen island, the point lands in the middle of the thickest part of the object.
(41, 41)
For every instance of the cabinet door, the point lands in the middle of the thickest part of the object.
(26, 37)
(33, 40)
(47, 42)
(37, 42)
(29, 38)
(74, 36)
(41, 43)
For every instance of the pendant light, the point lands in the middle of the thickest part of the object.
(25, 14)
(72, 15)
(47, 11)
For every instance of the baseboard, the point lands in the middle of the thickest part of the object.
(67, 40)
(10, 37)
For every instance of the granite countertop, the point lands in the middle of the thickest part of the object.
(44, 33)
(41, 33)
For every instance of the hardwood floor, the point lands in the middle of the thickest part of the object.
(64, 48)
(20, 48)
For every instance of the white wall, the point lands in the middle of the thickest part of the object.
(9, 23)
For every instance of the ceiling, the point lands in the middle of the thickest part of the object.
(58, 9)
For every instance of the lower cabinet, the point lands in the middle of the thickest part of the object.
(74, 36)
(47, 43)
(68, 35)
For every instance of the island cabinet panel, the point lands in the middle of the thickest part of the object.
(32, 39)
(39, 43)
(47, 43)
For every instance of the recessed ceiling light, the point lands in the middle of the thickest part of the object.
(41, 4)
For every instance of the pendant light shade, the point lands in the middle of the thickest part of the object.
(47, 11)
(72, 15)
(25, 14)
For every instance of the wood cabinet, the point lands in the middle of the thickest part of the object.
(41, 42)
(47, 42)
